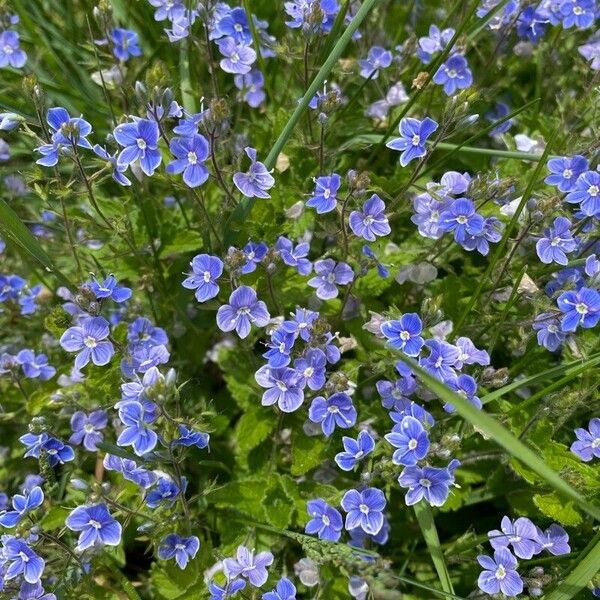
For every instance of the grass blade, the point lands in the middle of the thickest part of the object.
(13, 229)
(244, 208)
(502, 436)
(582, 572)
(424, 516)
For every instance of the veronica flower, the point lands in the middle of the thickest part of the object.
(109, 289)
(354, 450)
(311, 369)
(130, 470)
(469, 354)
(371, 222)
(117, 170)
(294, 256)
(405, 334)
(11, 54)
(462, 219)
(35, 367)
(581, 307)
(167, 9)
(283, 387)
(555, 540)
(284, 590)
(337, 410)
(329, 274)
(378, 58)
(280, 347)
(251, 87)
(189, 437)
(179, 548)
(58, 452)
(254, 253)
(395, 394)
(564, 171)
(500, 111)
(441, 360)
(96, 526)
(22, 505)
(224, 592)
(549, 334)
(587, 193)
(556, 243)
(165, 492)
(243, 310)
(324, 198)
(206, 269)
(591, 53)
(140, 143)
(580, 13)
(521, 534)
(33, 591)
(325, 520)
(454, 75)
(33, 443)
(238, 58)
(89, 340)
(86, 428)
(364, 509)
(587, 445)
(188, 126)
(531, 24)
(141, 331)
(410, 439)
(257, 180)
(431, 483)
(301, 323)
(136, 432)
(125, 43)
(10, 287)
(500, 574)
(190, 154)
(19, 559)
(433, 43)
(413, 136)
(253, 568)
(235, 25)
(395, 96)
(465, 386)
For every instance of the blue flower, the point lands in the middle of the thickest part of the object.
(86, 428)
(382, 270)
(167, 9)
(371, 222)
(96, 526)
(33, 443)
(354, 450)
(441, 360)
(33, 591)
(311, 369)
(480, 240)
(10, 287)
(206, 269)
(531, 24)
(165, 492)
(324, 198)
(301, 323)
(224, 592)
(117, 170)
(257, 180)
(555, 540)
(431, 483)
(335, 411)
(251, 87)
(454, 75)
(140, 143)
(35, 367)
(280, 347)
(136, 432)
(405, 334)
(549, 334)
(580, 13)
(284, 590)
(11, 54)
(377, 58)
(469, 354)
(19, 559)
(364, 509)
(412, 441)
(556, 243)
(141, 331)
(302, 15)
(243, 310)
(188, 126)
(130, 470)
(325, 521)
(521, 534)
(254, 253)
(283, 387)
(58, 453)
(235, 25)
(587, 445)
(564, 171)
(125, 43)
(500, 111)
(433, 43)
(587, 193)
(179, 548)
(294, 257)
(189, 437)
(581, 307)
(22, 505)
(500, 574)
(253, 568)
(109, 289)
(330, 274)
(413, 135)
(462, 219)
(238, 58)
(88, 339)
(190, 154)
(465, 386)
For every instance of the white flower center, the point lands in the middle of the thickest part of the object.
(500, 572)
(238, 27)
(333, 409)
(555, 241)
(309, 371)
(8, 49)
(330, 278)
(416, 140)
(596, 443)
(325, 520)
(593, 190)
(90, 342)
(368, 220)
(235, 57)
(95, 524)
(452, 73)
(141, 144)
(412, 444)
(24, 557)
(364, 509)
(206, 276)
(567, 173)
(462, 219)
(405, 336)
(577, 10)
(281, 386)
(89, 428)
(581, 308)
(192, 158)
(425, 482)
(326, 194)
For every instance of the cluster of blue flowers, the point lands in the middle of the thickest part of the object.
(11, 53)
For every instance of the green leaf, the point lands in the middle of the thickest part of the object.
(307, 453)
(556, 508)
(253, 428)
(502, 436)
(13, 229)
(279, 506)
(582, 572)
(424, 516)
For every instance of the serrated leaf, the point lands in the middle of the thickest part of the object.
(253, 428)
(307, 453)
(557, 509)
